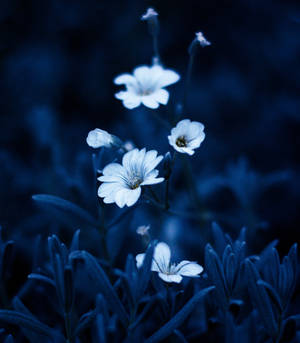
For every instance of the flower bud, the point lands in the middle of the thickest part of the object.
(98, 138)
(167, 165)
(151, 17)
(199, 40)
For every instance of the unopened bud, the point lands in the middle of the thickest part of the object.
(151, 17)
(199, 40)
(167, 165)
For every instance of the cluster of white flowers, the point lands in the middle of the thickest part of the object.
(167, 271)
(121, 183)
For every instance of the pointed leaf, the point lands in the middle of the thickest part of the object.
(260, 298)
(28, 322)
(65, 206)
(98, 275)
(179, 317)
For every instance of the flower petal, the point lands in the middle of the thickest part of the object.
(152, 181)
(127, 196)
(168, 77)
(188, 268)
(170, 277)
(98, 138)
(149, 101)
(124, 79)
(162, 255)
(161, 96)
(130, 99)
(139, 260)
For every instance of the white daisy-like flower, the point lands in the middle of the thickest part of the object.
(146, 86)
(167, 271)
(187, 136)
(202, 40)
(122, 182)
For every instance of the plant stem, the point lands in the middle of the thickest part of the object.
(68, 327)
(188, 81)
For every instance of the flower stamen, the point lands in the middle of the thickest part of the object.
(181, 142)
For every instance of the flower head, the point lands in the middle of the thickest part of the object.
(187, 136)
(143, 230)
(167, 271)
(151, 13)
(146, 86)
(122, 182)
(202, 40)
(99, 138)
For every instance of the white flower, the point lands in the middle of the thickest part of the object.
(149, 14)
(169, 272)
(187, 136)
(202, 40)
(99, 138)
(122, 183)
(143, 230)
(146, 86)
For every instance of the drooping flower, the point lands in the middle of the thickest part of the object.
(187, 136)
(122, 182)
(146, 86)
(202, 40)
(167, 271)
(98, 138)
(143, 230)
(149, 14)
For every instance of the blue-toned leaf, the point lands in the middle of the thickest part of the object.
(272, 293)
(230, 271)
(180, 336)
(219, 238)
(68, 289)
(42, 278)
(215, 273)
(65, 206)
(98, 275)
(84, 322)
(28, 322)
(20, 307)
(101, 330)
(101, 306)
(75, 241)
(145, 270)
(242, 235)
(260, 298)
(179, 317)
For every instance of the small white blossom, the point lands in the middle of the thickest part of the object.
(167, 271)
(143, 230)
(187, 136)
(149, 14)
(99, 138)
(202, 40)
(122, 182)
(146, 86)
